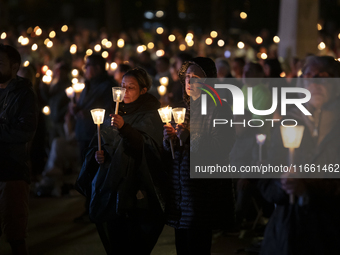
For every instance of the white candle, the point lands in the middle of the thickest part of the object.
(118, 95)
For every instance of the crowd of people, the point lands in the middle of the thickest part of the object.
(132, 183)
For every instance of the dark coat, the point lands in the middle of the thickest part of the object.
(96, 94)
(18, 122)
(311, 225)
(132, 163)
(201, 203)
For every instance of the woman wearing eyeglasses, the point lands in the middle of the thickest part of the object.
(126, 202)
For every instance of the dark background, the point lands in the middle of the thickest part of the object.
(118, 15)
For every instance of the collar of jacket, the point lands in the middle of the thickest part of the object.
(144, 103)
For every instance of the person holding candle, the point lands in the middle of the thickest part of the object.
(125, 194)
(194, 207)
(311, 224)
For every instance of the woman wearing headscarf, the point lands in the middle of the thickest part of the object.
(194, 207)
(126, 202)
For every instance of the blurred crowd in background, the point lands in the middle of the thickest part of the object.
(54, 60)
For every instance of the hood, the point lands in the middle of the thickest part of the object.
(206, 64)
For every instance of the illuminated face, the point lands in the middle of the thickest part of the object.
(192, 90)
(321, 91)
(132, 89)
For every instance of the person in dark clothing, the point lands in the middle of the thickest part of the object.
(245, 152)
(311, 225)
(196, 206)
(272, 68)
(126, 202)
(146, 62)
(174, 89)
(18, 122)
(57, 99)
(180, 59)
(237, 66)
(96, 94)
(223, 71)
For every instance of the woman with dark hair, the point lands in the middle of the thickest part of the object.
(196, 206)
(126, 203)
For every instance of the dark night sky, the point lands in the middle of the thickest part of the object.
(261, 13)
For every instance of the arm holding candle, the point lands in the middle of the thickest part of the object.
(169, 132)
(117, 120)
(132, 137)
(99, 156)
(292, 186)
(182, 132)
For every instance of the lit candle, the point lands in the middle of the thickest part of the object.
(165, 114)
(179, 115)
(118, 96)
(98, 118)
(291, 138)
(260, 139)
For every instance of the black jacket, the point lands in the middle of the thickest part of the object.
(96, 94)
(201, 203)
(132, 163)
(18, 122)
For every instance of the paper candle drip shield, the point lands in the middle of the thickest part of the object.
(179, 114)
(98, 118)
(165, 114)
(179, 117)
(118, 94)
(292, 136)
(98, 115)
